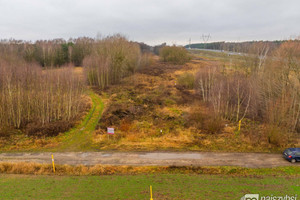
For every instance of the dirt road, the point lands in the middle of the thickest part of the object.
(252, 160)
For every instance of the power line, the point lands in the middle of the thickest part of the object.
(205, 38)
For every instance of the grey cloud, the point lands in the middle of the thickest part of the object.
(173, 21)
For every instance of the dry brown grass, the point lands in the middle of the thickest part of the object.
(81, 170)
(24, 143)
(157, 86)
(46, 169)
(142, 141)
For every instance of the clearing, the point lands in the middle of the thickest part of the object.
(153, 110)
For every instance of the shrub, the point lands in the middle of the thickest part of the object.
(187, 80)
(125, 125)
(6, 131)
(213, 125)
(206, 122)
(195, 118)
(174, 55)
(49, 129)
(147, 59)
(276, 135)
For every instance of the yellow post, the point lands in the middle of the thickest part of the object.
(53, 163)
(151, 192)
(240, 122)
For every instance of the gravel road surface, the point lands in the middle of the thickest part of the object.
(252, 160)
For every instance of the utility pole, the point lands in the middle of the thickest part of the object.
(205, 38)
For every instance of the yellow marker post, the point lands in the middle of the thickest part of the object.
(53, 163)
(151, 192)
(240, 122)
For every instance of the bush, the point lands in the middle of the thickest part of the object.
(6, 131)
(276, 135)
(195, 118)
(213, 125)
(125, 125)
(206, 122)
(50, 129)
(146, 60)
(174, 55)
(187, 80)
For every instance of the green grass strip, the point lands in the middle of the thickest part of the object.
(80, 137)
(136, 187)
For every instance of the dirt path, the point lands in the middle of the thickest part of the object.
(252, 160)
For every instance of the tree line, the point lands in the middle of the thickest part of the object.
(242, 47)
(50, 53)
(59, 52)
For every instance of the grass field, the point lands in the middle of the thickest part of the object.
(165, 186)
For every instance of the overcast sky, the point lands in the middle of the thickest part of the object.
(151, 21)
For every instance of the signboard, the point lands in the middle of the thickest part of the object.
(110, 131)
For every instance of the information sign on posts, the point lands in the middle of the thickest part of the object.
(110, 131)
